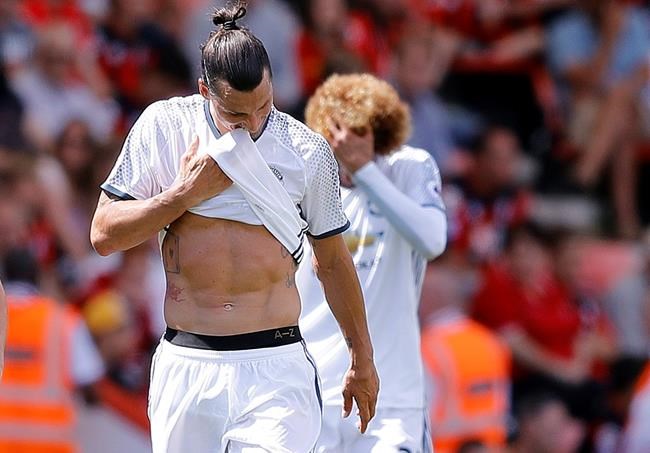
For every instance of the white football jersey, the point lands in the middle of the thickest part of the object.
(390, 272)
(301, 160)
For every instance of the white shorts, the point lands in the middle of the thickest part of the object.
(254, 400)
(390, 431)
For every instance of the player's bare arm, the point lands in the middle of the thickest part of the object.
(335, 269)
(123, 224)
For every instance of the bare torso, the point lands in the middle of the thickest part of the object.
(226, 277)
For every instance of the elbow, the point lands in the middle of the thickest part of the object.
(100, 241)
(433, 238)
(321, 272)
(435, 246)
(435, 249)
(101, 246)
(327, 270)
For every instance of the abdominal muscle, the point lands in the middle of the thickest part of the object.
(226, 278)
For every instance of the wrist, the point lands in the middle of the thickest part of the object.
(361, 357)
(178, 196)
(354, 167)
(365, 171)
(362, 364)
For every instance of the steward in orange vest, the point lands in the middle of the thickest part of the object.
(469, 367)
(36, 410)
(36, 407)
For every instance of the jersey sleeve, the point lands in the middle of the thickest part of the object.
(134, 175)
(423, 181)
(321, 206)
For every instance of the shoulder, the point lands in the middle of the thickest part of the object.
(410, 154)
(409, 159)
(298, 137)
(174, 112)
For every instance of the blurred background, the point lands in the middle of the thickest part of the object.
(537, 112)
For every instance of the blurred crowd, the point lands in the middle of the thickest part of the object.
(537, 112)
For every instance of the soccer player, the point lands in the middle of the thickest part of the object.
(391, 194)
(232, 373)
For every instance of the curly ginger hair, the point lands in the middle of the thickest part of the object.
(361, 102)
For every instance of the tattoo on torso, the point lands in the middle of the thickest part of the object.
(290, 281)
(170, 253)
(174, 293)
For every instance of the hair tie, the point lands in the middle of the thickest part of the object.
(232, 24)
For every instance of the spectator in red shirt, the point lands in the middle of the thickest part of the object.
(143, 61)
(487, 200)
(555, 342)
(332, 31)
(40, 13)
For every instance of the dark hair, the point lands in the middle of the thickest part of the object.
(233, 54)
(11, 116)
(527, 229)
(21, 266)
(534, 403)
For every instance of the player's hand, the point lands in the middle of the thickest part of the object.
(351, 149)
(199, 176)
(361, 384)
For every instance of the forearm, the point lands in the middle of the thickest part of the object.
(527, 351)
(57, 206)
(601, 61)
(123, 224)
(344, 296)
(590, 77)
(423, 227)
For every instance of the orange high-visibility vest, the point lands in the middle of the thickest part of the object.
(643, 382)
(470, 368)
(36, 408)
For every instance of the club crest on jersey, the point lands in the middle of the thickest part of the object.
(277, 174)
(353, 241)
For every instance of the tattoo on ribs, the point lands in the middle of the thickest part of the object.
(348, 341)
(291, 280)
(171, 259)
(174, 293)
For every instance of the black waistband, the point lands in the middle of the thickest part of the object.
(254, 340)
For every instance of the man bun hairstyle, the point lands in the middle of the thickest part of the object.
(232, 54)
(225, 17)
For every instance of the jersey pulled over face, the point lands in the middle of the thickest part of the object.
(233, 109)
